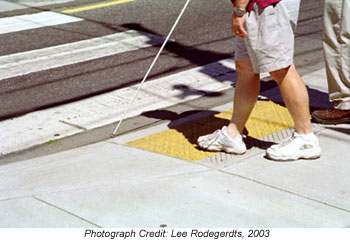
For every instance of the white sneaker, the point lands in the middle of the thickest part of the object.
(221, 141)
(296, 147)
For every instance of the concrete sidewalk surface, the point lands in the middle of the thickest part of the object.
(112, 184)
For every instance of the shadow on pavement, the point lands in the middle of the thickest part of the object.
(202, 123)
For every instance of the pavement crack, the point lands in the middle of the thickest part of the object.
(61, 209)
(73, 125)
(285, 190)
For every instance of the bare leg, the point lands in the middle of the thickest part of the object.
(246, 94)
(295, 97)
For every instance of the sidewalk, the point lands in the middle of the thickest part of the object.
(119, 182)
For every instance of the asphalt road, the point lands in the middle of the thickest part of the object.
(202, 36)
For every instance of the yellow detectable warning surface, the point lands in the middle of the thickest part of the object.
(181, 141)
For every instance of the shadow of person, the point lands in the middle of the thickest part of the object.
(345, 131)
(187, 91)
(195, 55)
(196, 123)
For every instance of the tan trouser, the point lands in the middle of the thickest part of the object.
(336, 44)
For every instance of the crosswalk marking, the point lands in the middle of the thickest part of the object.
(32, 21)
(47, 58)
(10, 5)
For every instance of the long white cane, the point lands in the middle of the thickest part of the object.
(150, 68)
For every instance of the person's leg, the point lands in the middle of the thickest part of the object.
(246, 94)
(295, 97)
(336, 46)
(303, 143)
(229, 139)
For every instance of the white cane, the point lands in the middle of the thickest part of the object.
(150, 68)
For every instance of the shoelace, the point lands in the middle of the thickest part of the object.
(287, 141)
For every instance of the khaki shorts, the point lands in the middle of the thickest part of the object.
(270, 41)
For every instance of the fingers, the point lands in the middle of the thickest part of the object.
(238, 26)
(240, 32)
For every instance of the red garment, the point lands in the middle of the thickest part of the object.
(261, 3)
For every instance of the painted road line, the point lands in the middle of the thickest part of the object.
(8, 6)
(47, 58)
(33, 21)
(95, 6)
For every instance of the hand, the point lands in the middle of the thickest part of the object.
(237, 26)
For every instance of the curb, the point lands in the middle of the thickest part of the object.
(187, 90)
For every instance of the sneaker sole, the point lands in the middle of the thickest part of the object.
(312, 157)
(227, 150)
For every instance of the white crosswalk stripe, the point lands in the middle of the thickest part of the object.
(32, 21)
(23, 4)
(47, 58)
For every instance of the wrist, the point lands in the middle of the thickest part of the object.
(239, 12)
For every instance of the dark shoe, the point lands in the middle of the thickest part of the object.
(331, 116)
